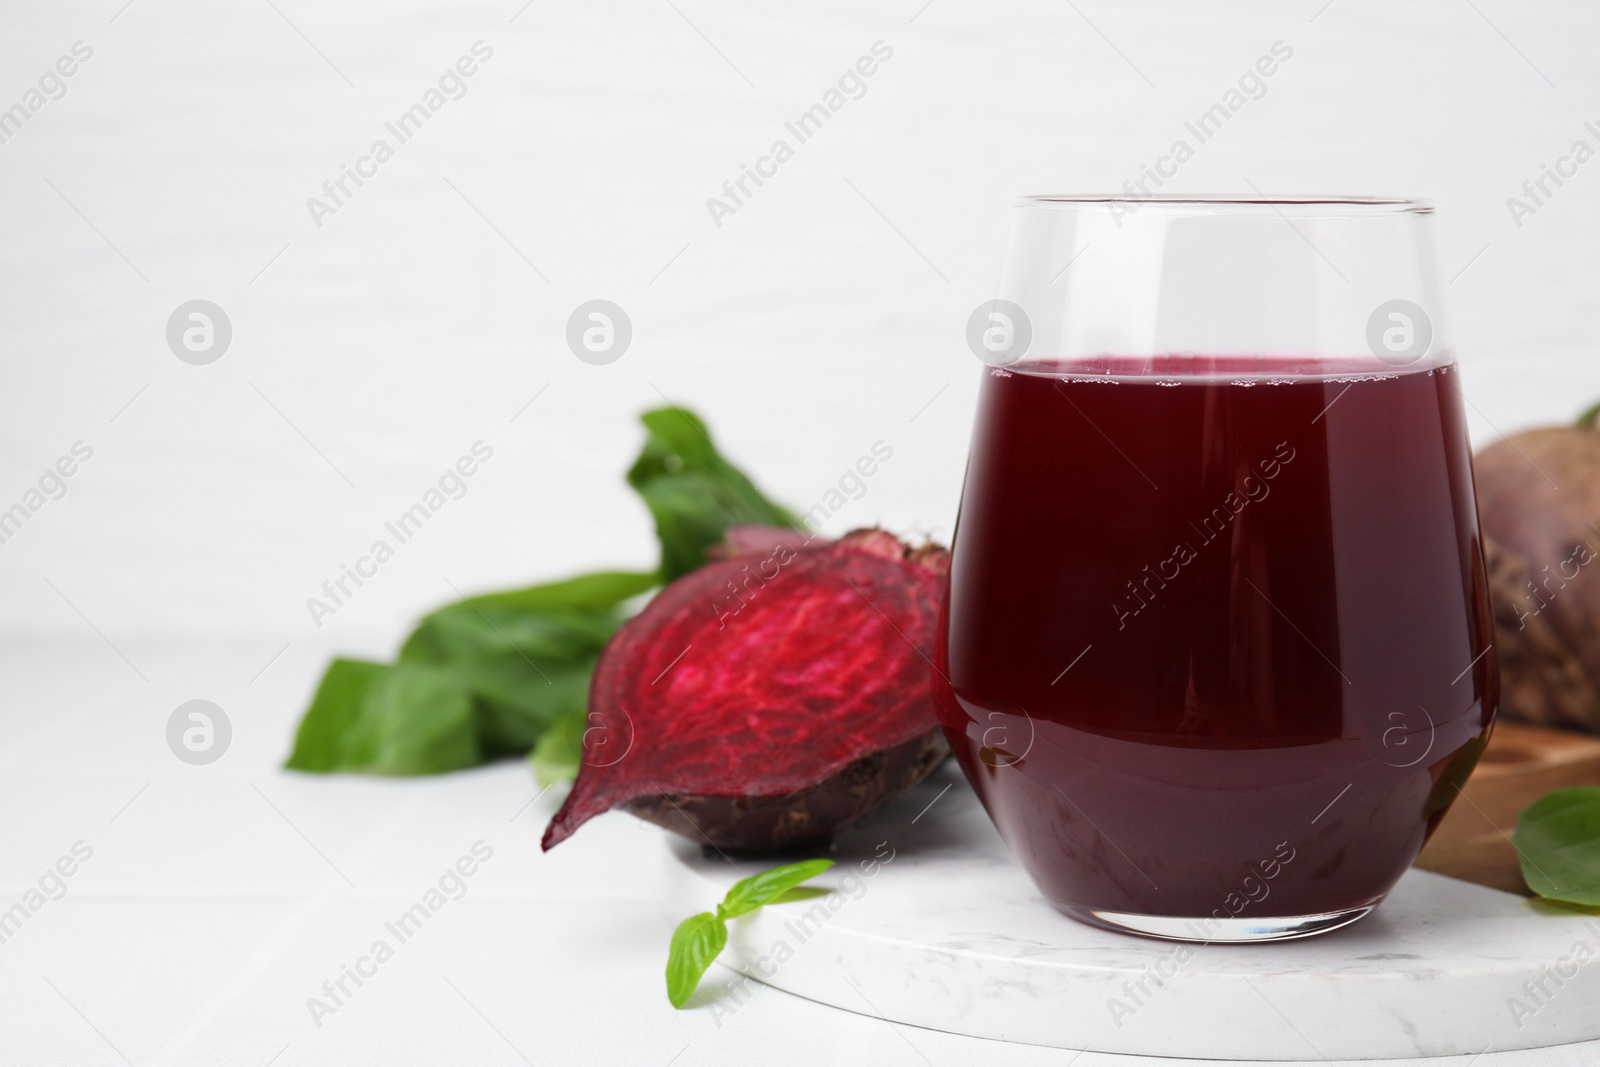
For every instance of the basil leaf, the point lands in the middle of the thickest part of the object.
(557, 620)
(695, 943)
(481, 678)
(586, 592)
(405, 719)
(748, 894)
(526, 655)
(319, 743)
(693, 492)
(559, 751)
(1558, 839)
(516, 706)
(491, 675)
(698, 939)
(463, 633)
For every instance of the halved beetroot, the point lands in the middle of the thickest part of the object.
(770, 699)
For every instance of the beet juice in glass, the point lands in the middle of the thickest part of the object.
(1217, 649)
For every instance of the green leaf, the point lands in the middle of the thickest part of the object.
(491, 675)
(695, 943)
(1558, 839)
(405, 719)
(559, 751)
(748, 894)
(587, 592)
(699, 938)
(319, 744)
(465, 632)
(516, 707)
(481, 678)
(526, 655)
(693, 492)
(559, 619)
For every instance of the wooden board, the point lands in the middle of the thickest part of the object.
(1521, 764)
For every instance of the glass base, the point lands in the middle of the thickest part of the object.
(1209, 930)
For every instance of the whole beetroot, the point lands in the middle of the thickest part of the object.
(1539, 502)
(771, 698)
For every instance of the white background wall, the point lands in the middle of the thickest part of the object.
(804, 329)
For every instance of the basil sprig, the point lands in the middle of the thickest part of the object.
(699, 938)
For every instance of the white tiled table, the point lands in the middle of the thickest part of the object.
(220, 898)
(217, 902)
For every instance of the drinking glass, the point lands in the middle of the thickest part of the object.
(1217, 651)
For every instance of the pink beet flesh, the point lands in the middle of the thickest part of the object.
(762, 675)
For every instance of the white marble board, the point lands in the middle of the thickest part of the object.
(950, 934)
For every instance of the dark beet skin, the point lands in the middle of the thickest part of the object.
(767, 701)
(1543, 550)
(801, 819)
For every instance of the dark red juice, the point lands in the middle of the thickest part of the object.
(1217, 637)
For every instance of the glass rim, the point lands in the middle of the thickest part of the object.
(1173, 202)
